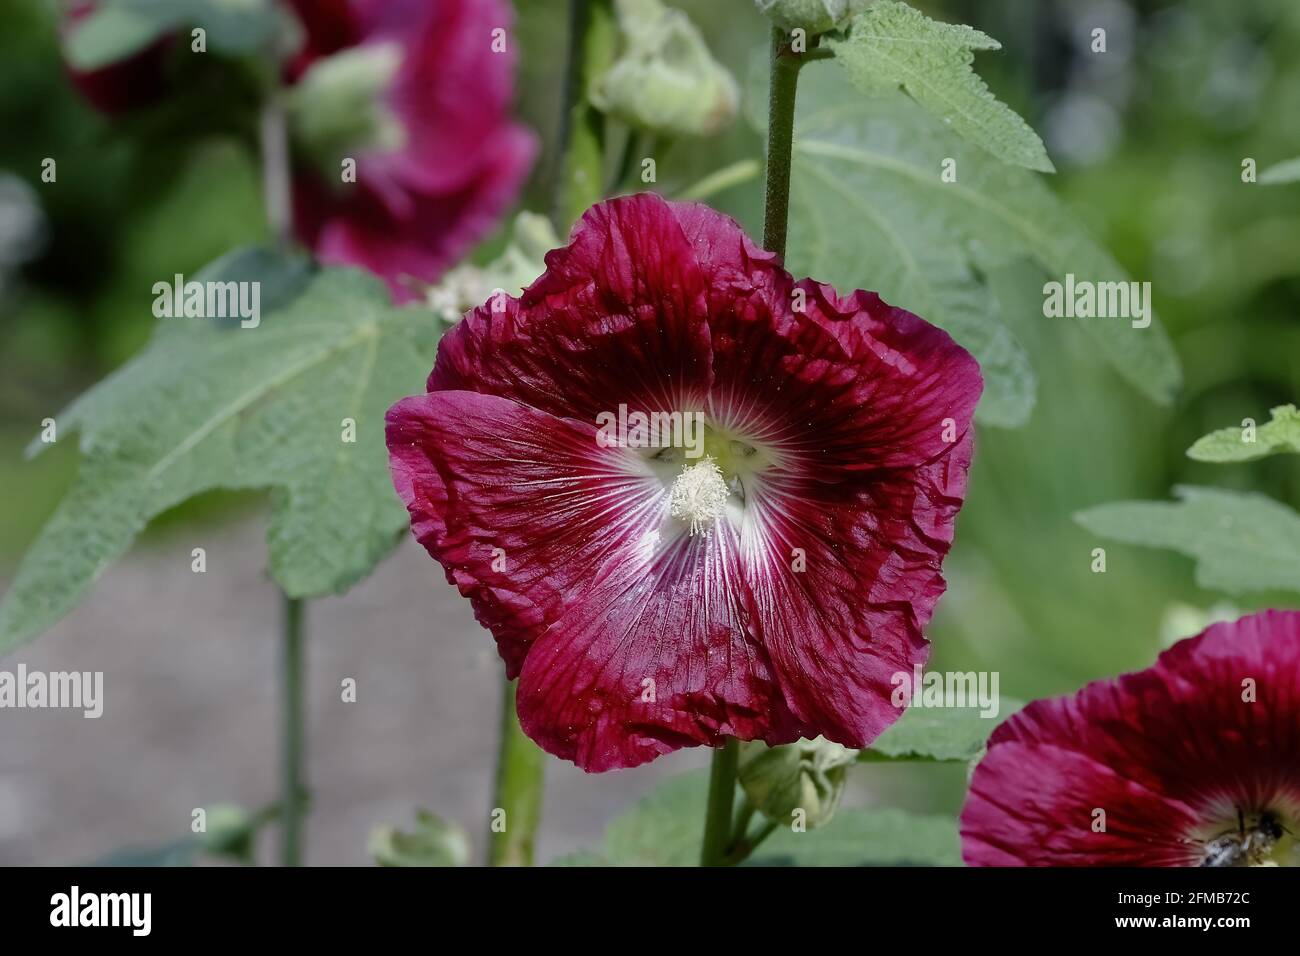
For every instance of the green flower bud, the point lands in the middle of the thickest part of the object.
(230, 832)
(339, 107)
(814, 16)
(806, 775)
(519, 264)
(665, 80)
(435, 842)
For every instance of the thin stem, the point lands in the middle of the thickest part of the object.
(292, 733)
(748, 844)
(742, 843)
(741, 171)
(722, 796)
(783, 79)
(517, 807)
(274, 136)
(580, 176)
(633, 143)
(273, 133)
(747, 811)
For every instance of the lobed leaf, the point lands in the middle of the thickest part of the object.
(1279, 436)
(1240, 541)
(207, 406)
(892, 46)
(870, 210)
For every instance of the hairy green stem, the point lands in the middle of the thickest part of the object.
(782, 82)
(292, 733)
(517, 807)
(722, 797)
(580, 177)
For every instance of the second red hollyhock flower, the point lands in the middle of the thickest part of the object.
(448, 160)
(762, 579)
(1194, 762)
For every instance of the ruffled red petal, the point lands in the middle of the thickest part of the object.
(632, 638)
(1164, 752)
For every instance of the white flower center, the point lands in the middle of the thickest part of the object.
(699, 495)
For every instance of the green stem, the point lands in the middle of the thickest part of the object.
(517, 807)
(748, 844)
(782, 82)
(722, 796)
(292, 733)
(742, 843)
(580, 178)
(276, 196)
(741, 827)
(715, 182)
(633, 144)
(276, 189)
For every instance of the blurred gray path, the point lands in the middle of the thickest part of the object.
(190, 713)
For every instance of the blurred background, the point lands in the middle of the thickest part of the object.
(1148, 141)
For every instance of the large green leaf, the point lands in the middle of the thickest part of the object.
(208, 406)
(1279, 436)
(664, 828)
(869, 209)
(1241, 541)
(858, 837)
(891, 45)
(939, 733)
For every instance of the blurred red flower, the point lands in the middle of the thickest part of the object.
(417, 208)
(1193, 762)
(438, 159)
(765, 583)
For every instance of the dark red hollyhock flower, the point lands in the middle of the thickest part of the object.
(131, 83)
(1194, 762)
(417, 208)
(646, 599)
